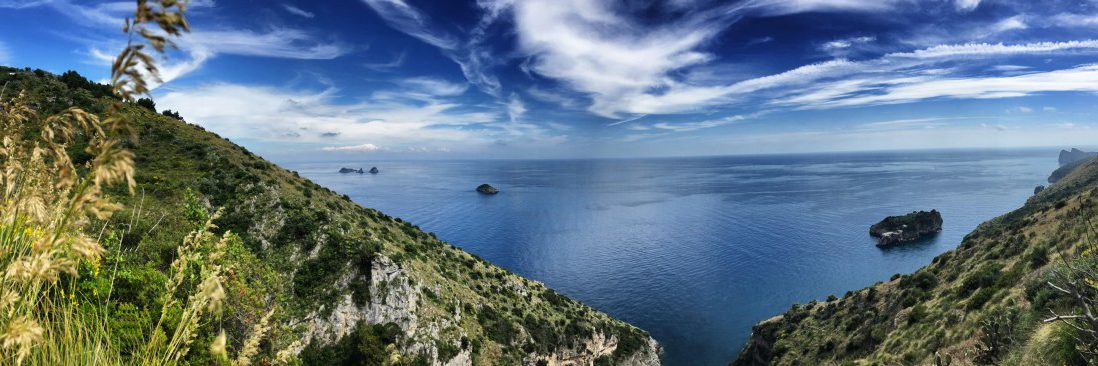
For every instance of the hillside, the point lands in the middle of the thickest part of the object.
(349, 285)
(981, 303)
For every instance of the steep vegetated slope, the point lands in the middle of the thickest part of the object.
(348, 284)
(982, 303)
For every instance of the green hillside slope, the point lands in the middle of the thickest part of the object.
(349, 285)
(981, 303)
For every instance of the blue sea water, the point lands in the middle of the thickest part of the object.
(696, 250)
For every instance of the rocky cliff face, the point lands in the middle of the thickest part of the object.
(1074, 155)
(398, 303)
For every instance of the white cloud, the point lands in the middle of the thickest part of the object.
(405, 18)
(272, 114)
(433, 87)
(1009, 68)
(694, 126)
(1079, 79)
(297, 11)
(994, 49)
(469, 55)
(1049, 109)
(356, 148)
(966, 5)
(201, 46)
(592, 49)
(1024, 109)
(1075, 20)
(847, 43)
(198, 46)
(515, 108)
(386, 66)
(782, 7)
(902, 77)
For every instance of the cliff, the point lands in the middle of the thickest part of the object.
(348, 283)
(991, 289)
(1074, 155)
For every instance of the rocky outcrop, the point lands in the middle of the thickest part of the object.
(760, 347)
(349, 170)
(1037, 190)
(393, 300)
(598, 346)
(901, 229)
(487, 189)
(373, 170)
(1074, 155)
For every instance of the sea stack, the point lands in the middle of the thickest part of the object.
(373, 170)
(487, 189)
(349, 170)
(902, 229)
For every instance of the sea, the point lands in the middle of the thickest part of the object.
(697, 250)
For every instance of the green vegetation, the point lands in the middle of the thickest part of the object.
(987, 302)
(284, 259)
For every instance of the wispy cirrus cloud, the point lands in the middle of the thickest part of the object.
(273, 114)
(406, 18)
(298, 11)
(198, 46)
(387, 66)
(468, 53)
(202, 46)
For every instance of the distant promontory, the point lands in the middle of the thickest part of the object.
(901, 229)
(1069, 160)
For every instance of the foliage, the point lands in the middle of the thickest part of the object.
(982, 302)
(56, 307)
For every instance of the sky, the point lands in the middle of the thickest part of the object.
(409, 79)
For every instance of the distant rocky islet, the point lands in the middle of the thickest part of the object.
(483, 189)
(895, 230)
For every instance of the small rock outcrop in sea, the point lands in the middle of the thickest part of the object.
(1074, 155)
(349, 170)
(373, 170)
(487, 189)
(901, 229)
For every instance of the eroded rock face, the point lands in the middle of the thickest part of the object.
(599, 345)
(394, 298)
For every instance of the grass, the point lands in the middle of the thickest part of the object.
(1000, 268)
(291, 244)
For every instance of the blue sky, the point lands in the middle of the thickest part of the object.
(349, 79)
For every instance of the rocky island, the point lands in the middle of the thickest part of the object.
(900, 229)
(350, 170)
(373, 170)
(487, 189)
